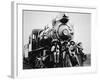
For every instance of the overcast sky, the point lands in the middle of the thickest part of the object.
(38, 19)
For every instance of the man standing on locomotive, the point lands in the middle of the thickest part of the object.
(73, 54)
(55, 49)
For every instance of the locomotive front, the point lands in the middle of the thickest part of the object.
(61, 30)
(64, 31)
(54, 46)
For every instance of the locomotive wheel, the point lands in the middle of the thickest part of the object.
(39, 63)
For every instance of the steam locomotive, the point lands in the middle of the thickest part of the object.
(55, 47)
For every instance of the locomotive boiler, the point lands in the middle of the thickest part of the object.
(54, 46)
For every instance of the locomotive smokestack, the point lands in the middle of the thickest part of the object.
(64, 20)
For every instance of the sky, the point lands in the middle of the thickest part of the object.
(39, 19)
